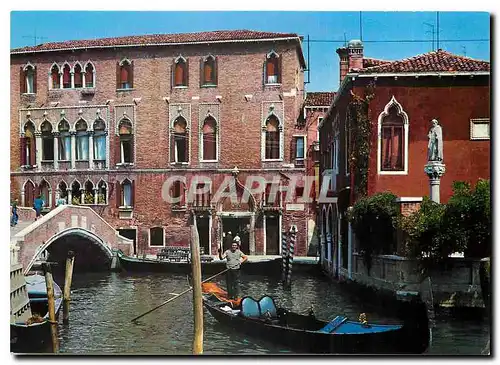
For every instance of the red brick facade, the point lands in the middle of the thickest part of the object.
(240, 103)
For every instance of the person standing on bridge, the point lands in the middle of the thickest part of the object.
(15, 217)
(234, 259)
(37, 205)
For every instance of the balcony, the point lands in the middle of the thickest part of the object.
(202, 202)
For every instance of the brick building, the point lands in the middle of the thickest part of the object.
(398, 100)
(106, 122)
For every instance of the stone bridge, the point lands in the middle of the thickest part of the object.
(63, 222)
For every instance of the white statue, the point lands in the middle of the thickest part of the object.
(435, 147)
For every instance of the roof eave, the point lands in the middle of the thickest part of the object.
(347, 79)
(414, 74)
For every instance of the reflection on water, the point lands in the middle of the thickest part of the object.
(103, 304)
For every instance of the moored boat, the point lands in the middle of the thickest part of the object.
(307, 334)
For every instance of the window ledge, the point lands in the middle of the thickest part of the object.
(209, 161)
(179, 208)
(47, 161)
(208, 85)
(129, 89)
(180, 87)
(272, 84)
(124, 208)
(63, 160)
(123, 164)
(82, 160)
(393, 172)
(179, 163)
(28, 94)
(272, 160)
(29, 167)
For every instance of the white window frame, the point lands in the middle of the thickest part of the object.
(402, 114)
(122, 193)
(149, 236)
(202, 141)
(263, 140)
(304, 138)
(475, 121)
(267, 81)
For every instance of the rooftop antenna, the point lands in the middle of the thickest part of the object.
(360, 26)
(34, 37)
(308, 69)
(431, 31)
(345, 40)
(437, 32)
(464, 49)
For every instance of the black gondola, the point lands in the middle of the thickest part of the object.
(36, 336)
(307, 334)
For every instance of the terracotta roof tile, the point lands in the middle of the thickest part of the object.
(319, 98)
(370, 62)
(214, 36)
(438, 61)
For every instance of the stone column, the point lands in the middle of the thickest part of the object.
(252, 234)
(72, 75)
(329, 246)
(73, 149)
(70, 196)
(38, 150)
(91, 150)
(349, 251)
(56, 150)
(210, 235)
(61, 80)
(96, 190)
(23, 198)
(82, 196)
(83, 78)
(49, 201)
(322, 246)
(435, 170)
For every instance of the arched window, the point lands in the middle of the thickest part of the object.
(102, 192)
(126, 142)
(47, 142)
(29, 193)
(28, 79)
(272, 138)
(64, 141)
(125, 74)
(82, 141)
(273, 69)
(180, 72)
(99, 140)
(54, 77)
(126, 193)
(89, 193)
(28, 145)
(209, 71)
(44, 191)
(392, 141)
(156, 236)
(78, 76)
(179, 141)
(178, 191)
(76, 193)
(89, 75)
(209, 139)
(66, 77)
(63, 193)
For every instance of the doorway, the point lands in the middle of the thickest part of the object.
(130, 233)
(240, 226)
(272, 235)
(203, 233)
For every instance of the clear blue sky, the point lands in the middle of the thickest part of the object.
(376, 26)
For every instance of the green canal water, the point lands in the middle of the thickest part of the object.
(104, 303)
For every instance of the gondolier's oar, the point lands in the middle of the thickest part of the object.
(177, 296)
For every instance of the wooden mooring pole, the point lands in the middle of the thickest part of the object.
(291, 250)
(284, 254)
(197, 296)
(49, 282)
(67, 285)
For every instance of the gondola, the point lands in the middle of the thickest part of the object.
(35, 336)
(307, 334)
(132, 264)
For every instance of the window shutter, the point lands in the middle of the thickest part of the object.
(132, 194)
(32, 151)
(22, 80)
(187, 146)
(118, 157)
(293, 150)
(118, 194)
(216, 72)
(186, 71)
(23, 151)
(34, 80)
(279, 71)
(270, 67)
(131, 74)
(132, 156)
(202, 72)
(172, 147)
(264, 72)
(118, 83)
(172, 74)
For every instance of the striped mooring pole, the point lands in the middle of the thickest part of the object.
(284, 254)
(293, 234)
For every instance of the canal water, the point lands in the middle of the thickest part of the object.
(102, 305)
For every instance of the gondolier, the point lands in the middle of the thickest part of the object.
(234, 258)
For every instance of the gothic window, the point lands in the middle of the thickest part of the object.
(63, 192)
(392, 141)
(43, 189)
(102, 192)
(82, 141)
(272, 138)
(29, 193)
(66, 77)
(178, 191)
(272, 72)
(54, 77)
(180, 72)
(28, 145)
(47, 142)
(89, 75)
(28, 79)
(126, 142)
(156, 236)
(64, 141)
(78, 76)
(88, 197)
(209, 140)
(209, 71)
(76, 193)
(99, 140)
(125, 74)
(125, 192)
(179, 141)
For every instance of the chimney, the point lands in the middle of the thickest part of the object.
(350, 57)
